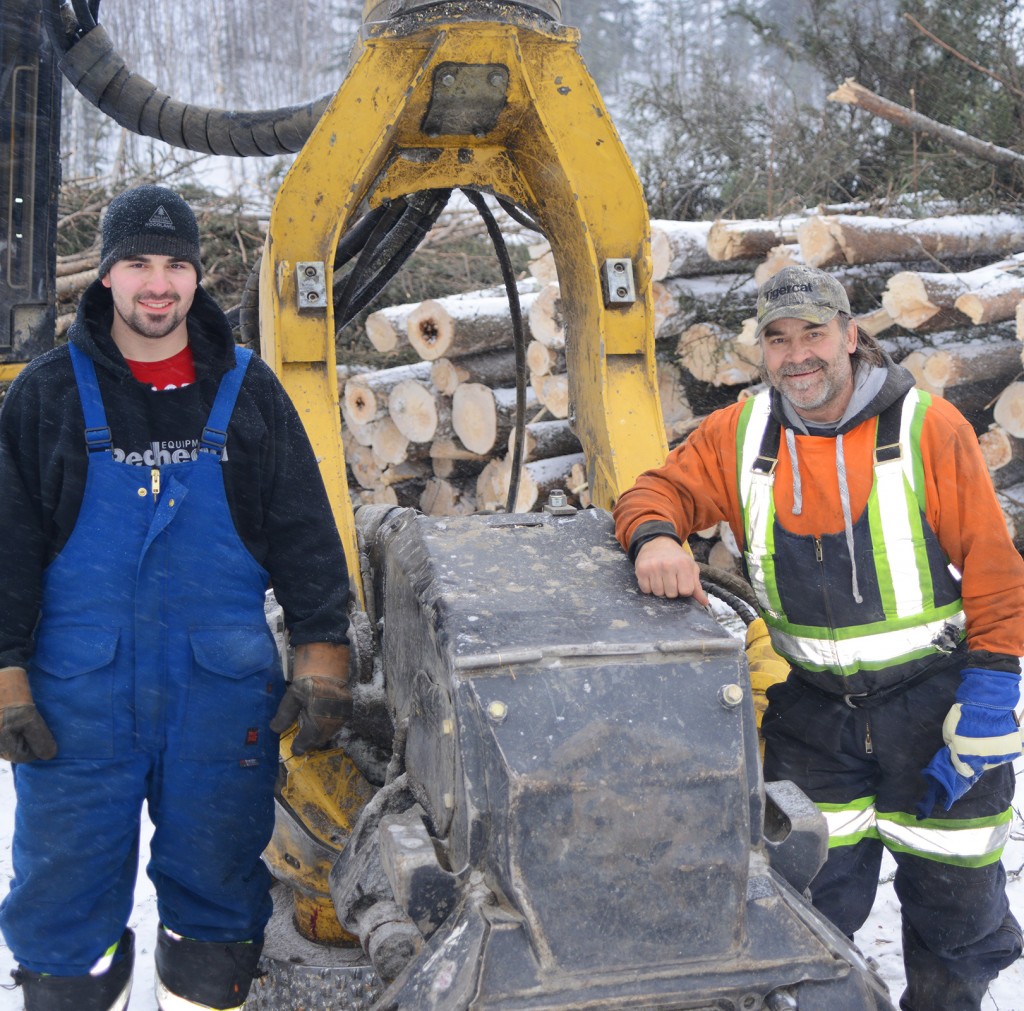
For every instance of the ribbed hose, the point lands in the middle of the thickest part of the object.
(100, 74)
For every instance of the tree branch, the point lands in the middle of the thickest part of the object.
(853, 93)
(960, 56)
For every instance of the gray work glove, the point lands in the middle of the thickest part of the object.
(318, 698)
(24, 736)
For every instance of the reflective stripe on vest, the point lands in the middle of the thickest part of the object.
(970, 843)
(913, 622)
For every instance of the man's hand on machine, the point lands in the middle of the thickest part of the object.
(24, 736)
(666, 569)
(318, 698)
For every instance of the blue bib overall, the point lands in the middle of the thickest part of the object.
(156, 672)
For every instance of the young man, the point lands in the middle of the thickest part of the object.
(155, 480)
(881, 562)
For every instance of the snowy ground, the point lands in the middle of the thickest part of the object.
(879, 939)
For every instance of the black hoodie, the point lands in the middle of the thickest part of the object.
(274, 488)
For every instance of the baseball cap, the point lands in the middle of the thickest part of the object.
(800, 293)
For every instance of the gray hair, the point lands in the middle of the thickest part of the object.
(868, 350)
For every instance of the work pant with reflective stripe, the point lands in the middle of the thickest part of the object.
(862, 767)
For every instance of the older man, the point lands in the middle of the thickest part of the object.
(876, 548)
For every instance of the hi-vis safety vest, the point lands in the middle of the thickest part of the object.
(910, 608)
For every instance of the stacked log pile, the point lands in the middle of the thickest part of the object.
(944, 296)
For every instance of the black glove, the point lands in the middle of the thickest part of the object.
(321, 705)
(24, 736)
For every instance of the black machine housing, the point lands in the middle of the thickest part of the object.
(578, 819)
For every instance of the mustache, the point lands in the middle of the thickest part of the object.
(795, 369)
(153, 296)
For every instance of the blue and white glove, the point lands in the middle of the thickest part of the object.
(981, 732)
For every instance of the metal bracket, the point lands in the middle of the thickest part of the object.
(311, 284)
(466, 98)
(619, 286)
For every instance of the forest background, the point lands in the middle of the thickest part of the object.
(721, 104)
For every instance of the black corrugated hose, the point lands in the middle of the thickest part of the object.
(87, 57)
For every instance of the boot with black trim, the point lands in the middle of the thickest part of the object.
(203, 974)
(106, 988)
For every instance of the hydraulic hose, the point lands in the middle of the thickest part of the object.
(731, 590)
(518, 341)
(88, 59)
(389, 245)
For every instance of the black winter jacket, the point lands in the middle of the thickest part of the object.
(274, 488)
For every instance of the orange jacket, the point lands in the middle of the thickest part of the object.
(698, 487)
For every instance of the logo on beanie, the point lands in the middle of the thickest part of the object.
(160, 219)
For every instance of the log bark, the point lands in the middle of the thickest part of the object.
(977, 360)
(454, 327)
(1009, 409)
(1011, 500)
(76, 263)
(543, 439)
(578, 486)
(711, 354)
(829, 240)
(492, 368)
(924, 301)
(387, 328)
(547, 323)
(73, 284)
(680, 302)
(852, 93)
(448, 498)
(747, 240)
(676, 412)
(914, 363)
(994, 291)
(365, 396)
(492, 486)
(787, 254)
(542, 263)
(542, 360)
(482, 417)
(540, 477)
(680, 248)
(1003, 455)
(552, 392)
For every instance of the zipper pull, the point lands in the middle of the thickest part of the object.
(817, 549)
(155, 481)
(868, 748)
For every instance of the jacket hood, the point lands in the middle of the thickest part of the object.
(875, 388)
(209, 333)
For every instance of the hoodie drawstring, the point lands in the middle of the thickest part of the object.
(844, 497)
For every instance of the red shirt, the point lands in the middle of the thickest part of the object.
(170, 374)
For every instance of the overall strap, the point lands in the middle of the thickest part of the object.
(887, 432)
(97, 433)
(768, 454)
(215, 434)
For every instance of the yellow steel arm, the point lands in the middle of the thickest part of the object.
(415, 113)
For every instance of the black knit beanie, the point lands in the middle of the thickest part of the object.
(149, 220)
